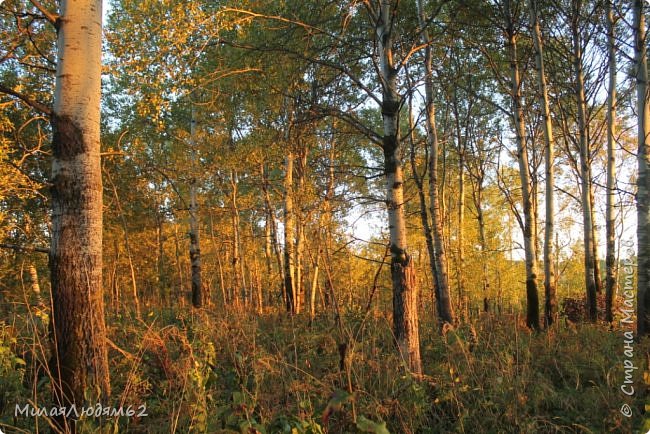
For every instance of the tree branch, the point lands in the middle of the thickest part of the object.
(30, 102)
(50, 16)
(25, 248)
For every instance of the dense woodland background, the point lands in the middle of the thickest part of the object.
(325, 216)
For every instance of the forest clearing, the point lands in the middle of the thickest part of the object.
(324, 216)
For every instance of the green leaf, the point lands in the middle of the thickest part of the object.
(238, 398)
(339, 397)
(366, 425)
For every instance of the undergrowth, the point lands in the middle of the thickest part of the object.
(229, 372)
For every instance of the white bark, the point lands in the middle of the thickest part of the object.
(532, 297)
(405, 291)
(550, 306)
(289, 229)
(585, 177)
(643, 182)
(80, 363)
(195, 245)
(443, 297)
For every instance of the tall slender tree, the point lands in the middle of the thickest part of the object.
(610, 211)
(195, 246)
(517, 115)
(289, 227)
(79, 361)
(550, 304)
(643, 158)
(443, 298)
(405, 291)
(585, 160)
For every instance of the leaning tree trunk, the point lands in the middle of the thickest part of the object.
(532, 300)
(79, 363)
(587, 214)
(550, 304)
(424, 214)
(315, 272)
(483, 243)
(443, 298)
(405, 291)
(643, 182)
(127, 246)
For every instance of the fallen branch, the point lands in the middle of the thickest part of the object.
(25, 248)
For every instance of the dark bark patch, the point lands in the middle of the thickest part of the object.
(389, 108)
(64, 190)
(399, 255)
(532, 311)
(389, 146)
(68, 140)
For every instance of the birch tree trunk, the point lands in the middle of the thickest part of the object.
(160, 260)
(270, 216)
(460, 263)
(643, 183)
(328, 212)
(424, 214)
(79, 363)
(289, 229)
(267, 244)
(239, 286)
(532, 297)
(550, 298)
(594, 230)
(584, 165)
(405, 291)
(483, 241)
(316, 268)
(300, 231)
(445, 310)
(195, 247)
(179, 265)
(299, 263)
(127, 245)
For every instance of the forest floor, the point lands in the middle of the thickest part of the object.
(216, 371)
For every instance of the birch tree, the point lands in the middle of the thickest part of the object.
(443, 299)
(643, 157)
(610, 216)
(585, 177)
(405, 291)
(289, 228)
(79, 362)
(195, 246)
(550, 305)
(517, 115)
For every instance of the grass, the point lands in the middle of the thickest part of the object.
(230, 372)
